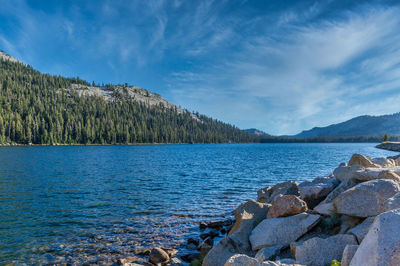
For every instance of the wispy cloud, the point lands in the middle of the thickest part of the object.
(312, 74)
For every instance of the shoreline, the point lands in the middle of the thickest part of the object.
(157, 144)
(318, 222)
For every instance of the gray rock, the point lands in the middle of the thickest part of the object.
(158, 255)
(313, 192)
(392, 203)
(326, 206)
(366, 199)
(359, 159)
(240, 260)
(286, 205)
(283, 262)
(318, 251)
(381, 246)
(377, 173)
(268, 194)
(346, 172)
(246, 215)
(282, 231)
(220, 253)
(258, 209)
(362, 229)
(348, 254)
(384, 162)
(268, 253)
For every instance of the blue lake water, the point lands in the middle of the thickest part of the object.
(81, 203)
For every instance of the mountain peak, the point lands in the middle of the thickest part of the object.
(5, 56)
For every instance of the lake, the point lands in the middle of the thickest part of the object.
(82, 203)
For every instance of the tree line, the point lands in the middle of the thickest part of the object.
(42, 109)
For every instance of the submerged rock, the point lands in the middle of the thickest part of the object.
(366, 199)
(318, 251)
(286, 205)
(282, 231)
(381, 245)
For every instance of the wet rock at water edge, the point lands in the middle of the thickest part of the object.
(191, 257)
(158, 255)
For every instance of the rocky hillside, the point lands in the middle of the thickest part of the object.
(360, 126)
(257, 132)
(37, 108)
(5, 56)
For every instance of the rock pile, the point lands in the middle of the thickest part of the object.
(352, 216)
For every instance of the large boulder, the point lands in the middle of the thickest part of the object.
(237, 241)
(392, 203)
(381, 246)
(282, 231)
(362, 229)
(365, 199)
(246, 215)
(286, 205)
(384, 162)
(319, 251)
(348, 254)
(359, 159)
(313, 192)
(326, 206)
(376, 173)
(220, 253)
(257, 209)
(269, 194)
(346, 172)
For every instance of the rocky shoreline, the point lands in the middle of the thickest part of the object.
(389, 145)
(351, 217)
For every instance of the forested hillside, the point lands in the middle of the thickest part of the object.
(43, 109)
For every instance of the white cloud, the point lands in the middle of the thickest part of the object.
(309, 75)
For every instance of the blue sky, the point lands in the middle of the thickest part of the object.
(280, 66)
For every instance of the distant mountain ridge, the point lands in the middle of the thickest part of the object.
(365, 125)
